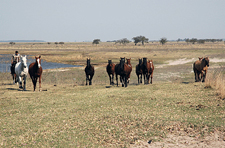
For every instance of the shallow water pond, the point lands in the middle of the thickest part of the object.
(5, 63)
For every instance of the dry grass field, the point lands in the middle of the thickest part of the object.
(174, 111)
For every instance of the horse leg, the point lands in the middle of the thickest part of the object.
(112, 79)
(24, 82)
(125, 81)
(204, 76)
(151, 78)
(34, 80)
(138, 78)
(40, 83)
(20, 82)
(141, 78)
(90, 80)
(116, 80)
(144, 78)
(87, 79)
(122, 80)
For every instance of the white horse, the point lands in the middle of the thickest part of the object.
(21, 71)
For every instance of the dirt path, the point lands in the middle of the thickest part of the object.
(215, 140)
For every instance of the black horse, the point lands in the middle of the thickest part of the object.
(13, 73)
(110, 68)
(119, 70)
(89, 71)
(139, 71)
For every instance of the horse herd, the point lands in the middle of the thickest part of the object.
(21, 71)
(123, 69)
(145, 67)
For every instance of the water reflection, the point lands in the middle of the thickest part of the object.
(5, 63)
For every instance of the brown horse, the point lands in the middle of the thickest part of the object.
(128, 69)
(110, 68)
(200, 67)
(151, 69)
(147, 69)
(89, 71)
(139, 71)
(35, 71)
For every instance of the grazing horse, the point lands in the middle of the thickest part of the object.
(13, 73)
(89, 71)
(21, 71)
(200, 67)
(35, 71)
(110, 68)
(139, 71)
(151, 69)
(119, 70)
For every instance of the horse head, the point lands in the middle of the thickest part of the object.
(88, 62)
(140, 61)
(145, 61)
(38, 61)
(109, 62)
(24, 61)
(206, 60)
(128, 61)
(200, 58)
(122, 61)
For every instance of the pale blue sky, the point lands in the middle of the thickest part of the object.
(85, 20)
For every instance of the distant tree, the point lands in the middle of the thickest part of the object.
(49, 43)
(163, 41)
(12, 43)
(61, 43)
(193, 40)
(141, 39)
(187, 40)
(56, 43)
(201, 41)
(213, 40)
(96, 41)
(178, 40)
(123, 41)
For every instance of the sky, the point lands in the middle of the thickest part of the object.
(107, 20)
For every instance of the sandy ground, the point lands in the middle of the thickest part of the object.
(215, 140)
